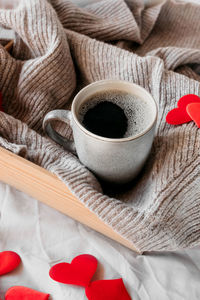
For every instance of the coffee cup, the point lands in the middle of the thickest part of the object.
(116, 160)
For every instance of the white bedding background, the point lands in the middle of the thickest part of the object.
(43, 237)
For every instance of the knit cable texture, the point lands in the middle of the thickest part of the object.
(59, 48)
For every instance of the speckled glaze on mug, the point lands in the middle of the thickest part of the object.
(114, 160)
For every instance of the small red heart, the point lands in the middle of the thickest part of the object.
(79, 272)
(24, 293)
(179, 115)
(193, 110)
(1, 101)
(9, 260)
(107, 290)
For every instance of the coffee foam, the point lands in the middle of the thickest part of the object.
(138, 111)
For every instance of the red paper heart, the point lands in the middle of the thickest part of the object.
(24, 293)
(193, 110)
(107, 290)
(9, 260)
(179, 115)
(1, 101)
(79, 272)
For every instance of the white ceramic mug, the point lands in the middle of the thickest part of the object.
(113, 160)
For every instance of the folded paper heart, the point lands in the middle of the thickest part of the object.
(79, 272)
(24, 293)
(179, 115)
(107, 290)
(193, 110)
(9, 260)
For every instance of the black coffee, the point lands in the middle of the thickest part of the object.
(106, 119)
(115, 114)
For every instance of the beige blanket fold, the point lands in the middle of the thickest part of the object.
(59, 47)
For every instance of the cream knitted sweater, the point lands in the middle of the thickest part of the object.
(59, 48)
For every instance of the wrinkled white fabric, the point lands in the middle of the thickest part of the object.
(43, 237)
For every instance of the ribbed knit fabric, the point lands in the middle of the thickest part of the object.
(59, 48)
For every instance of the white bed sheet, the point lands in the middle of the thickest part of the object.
(42, 236)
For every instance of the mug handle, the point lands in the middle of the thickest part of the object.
(63, 116)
